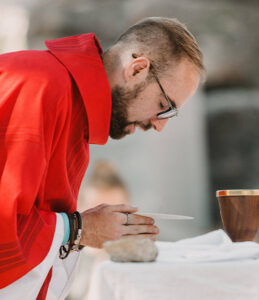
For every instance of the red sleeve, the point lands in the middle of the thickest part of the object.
(28, 103)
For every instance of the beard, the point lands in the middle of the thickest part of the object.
(121, 99)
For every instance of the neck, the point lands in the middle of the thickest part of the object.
(112, 67)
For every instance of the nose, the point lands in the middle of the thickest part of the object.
(159, 125)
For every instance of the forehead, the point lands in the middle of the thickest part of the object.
(181, 81)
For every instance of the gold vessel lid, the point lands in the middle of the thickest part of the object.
(222, 193)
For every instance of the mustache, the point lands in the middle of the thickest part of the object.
(144, 127)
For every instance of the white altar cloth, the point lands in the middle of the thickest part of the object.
(206, 267)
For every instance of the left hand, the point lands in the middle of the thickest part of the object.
(108, 222)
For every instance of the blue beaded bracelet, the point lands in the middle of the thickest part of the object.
(66, 228)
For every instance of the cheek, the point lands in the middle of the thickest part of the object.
(151, 110)
(148, 106)
(145, 107)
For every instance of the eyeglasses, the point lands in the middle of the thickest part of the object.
(172, 111)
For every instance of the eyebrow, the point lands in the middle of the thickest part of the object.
(171, 101)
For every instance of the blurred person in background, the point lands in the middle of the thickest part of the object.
(104, 185)
(53, 104)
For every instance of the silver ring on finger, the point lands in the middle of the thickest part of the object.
(127, 221)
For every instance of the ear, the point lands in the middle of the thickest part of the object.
(137, 69)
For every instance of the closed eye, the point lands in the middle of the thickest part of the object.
(161, 105)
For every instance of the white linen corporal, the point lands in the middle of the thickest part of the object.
(205, 267)
(214, 246)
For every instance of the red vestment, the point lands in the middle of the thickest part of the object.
(53, 104)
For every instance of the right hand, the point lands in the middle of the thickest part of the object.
(107, 222)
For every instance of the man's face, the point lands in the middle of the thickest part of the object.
(139, 105)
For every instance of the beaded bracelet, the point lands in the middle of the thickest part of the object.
(73, 244)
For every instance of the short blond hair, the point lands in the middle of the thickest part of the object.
(163, 41)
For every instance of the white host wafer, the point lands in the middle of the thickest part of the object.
(165, 216)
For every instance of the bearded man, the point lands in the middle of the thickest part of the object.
(53, 104)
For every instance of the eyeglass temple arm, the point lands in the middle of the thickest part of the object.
(162, 89)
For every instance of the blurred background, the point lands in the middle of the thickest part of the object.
(213, 144)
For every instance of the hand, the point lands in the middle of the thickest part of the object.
(107, 222)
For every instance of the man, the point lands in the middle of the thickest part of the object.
(53, 104)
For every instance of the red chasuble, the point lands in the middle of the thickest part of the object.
(53, 104)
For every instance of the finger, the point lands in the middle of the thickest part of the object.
(139, 229)
(125, 208)
(139, 220)
(153, 237)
